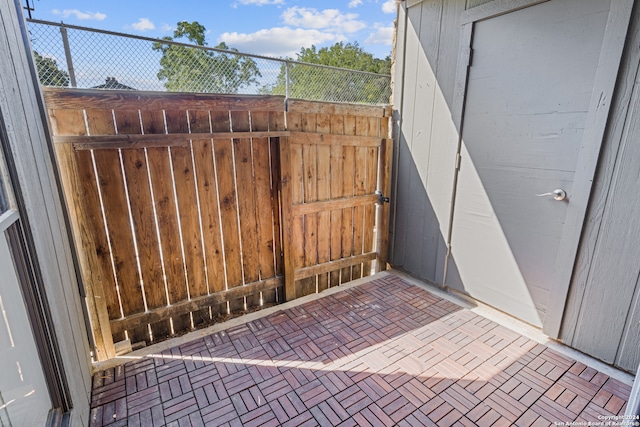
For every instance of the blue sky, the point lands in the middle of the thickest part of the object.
(268, 27)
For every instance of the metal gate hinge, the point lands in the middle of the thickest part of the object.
(381, 198)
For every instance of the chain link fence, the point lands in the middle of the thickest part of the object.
(73, 56)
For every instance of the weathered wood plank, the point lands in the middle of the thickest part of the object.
(323, 126)
(382, 223)
(68, 98)
(370, 211)
(268, 205)
(264, 207)
(323, 180)
(228, 211)
(286, 184)
(88, 232)
(116, 214)
(166, 213)
(142, 215)
(245, 182)
(340, 109)
(346, 231)
(151, 140)
(337, 164)
(196, 304)
(207, 193)
(333, 204)
(308, 286)
(334, 265)
(308, 138)
(358, 211)
(297, 196)
(117, 218)
(189, 219)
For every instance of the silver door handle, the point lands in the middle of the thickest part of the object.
(557, 194)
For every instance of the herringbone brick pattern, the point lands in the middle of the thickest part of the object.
(381, 354)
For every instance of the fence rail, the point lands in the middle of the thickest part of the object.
(185, 207)
(74, 56)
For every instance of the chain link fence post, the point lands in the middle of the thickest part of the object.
(67, 54)
(287, 81)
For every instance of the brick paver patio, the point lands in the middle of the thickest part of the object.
(383, 353)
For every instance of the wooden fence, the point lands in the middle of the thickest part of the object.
(177, 201)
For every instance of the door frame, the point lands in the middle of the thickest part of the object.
(597, 117)
(14, 227)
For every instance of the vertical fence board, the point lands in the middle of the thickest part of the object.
(323, 126)
(370, 211)
(135, 171)
(183, 173)
(247, 209)
(268, 211)
(276, 202)
(382, 238)
(245, 182)
(337, 166)
(122, 245)
(297, 197)
(199, 122)
(347, 213)
(88, 231)
(308, 286)
(153, 122)
(229, 214)
(264, 207)
(116, 213)
(286, 184)
(358, 211)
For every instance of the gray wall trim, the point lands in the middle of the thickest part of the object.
(496, 8)
(605, 82)
(398, 103)
(43, 213)
(460, 93)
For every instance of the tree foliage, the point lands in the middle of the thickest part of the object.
(49, 73)
(333, 85)
(187, 69)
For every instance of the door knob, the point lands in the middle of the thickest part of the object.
(557, 194)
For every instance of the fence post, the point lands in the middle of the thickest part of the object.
(287, 83)
(286, 199)
(67, 54)
(382, 211)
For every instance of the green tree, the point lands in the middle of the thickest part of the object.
(49, 73)
(333, 85)
(189, 69)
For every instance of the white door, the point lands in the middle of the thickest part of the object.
(527, 99)
(24, 397)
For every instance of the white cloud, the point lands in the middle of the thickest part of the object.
(389, 6)
(355, 3)
(83, 16)
(278, 41)
(328, 19)
(261, 2)
(383, 34)
(166, 28)
(143, 24)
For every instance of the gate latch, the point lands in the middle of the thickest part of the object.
(381, 199)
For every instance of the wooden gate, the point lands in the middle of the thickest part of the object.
(334, 164)
(176, 203)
